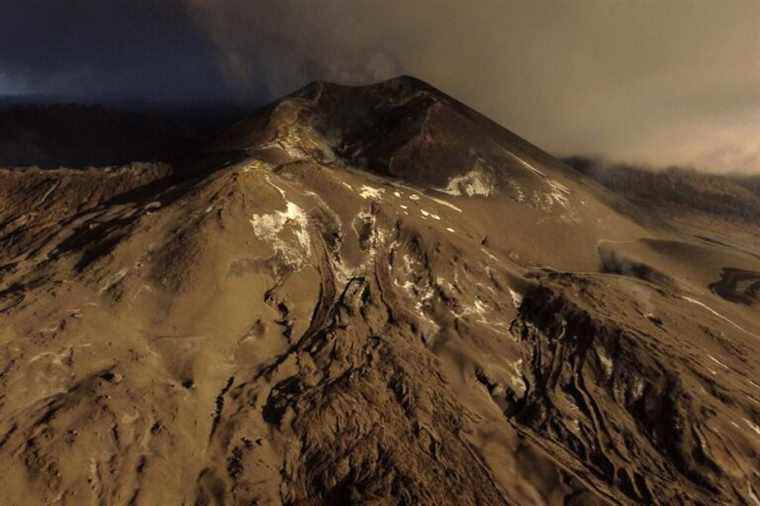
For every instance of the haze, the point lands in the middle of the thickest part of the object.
(659, 83)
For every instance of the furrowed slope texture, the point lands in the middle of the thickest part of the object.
(368, 296)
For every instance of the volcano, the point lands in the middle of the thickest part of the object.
(370, 295)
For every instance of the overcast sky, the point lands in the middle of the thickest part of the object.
(654, 81)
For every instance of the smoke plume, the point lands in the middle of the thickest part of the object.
(646, 81)
(651, 82)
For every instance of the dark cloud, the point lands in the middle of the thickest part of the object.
(81, 48)
(674, 82)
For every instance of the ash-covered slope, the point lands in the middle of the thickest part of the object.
(368, 295)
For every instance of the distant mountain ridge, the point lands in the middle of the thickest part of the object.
(730, 195)
(64, 134)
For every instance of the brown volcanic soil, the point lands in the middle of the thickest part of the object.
(370, 296)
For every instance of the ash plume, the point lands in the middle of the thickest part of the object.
(657, 83)
(646, 82)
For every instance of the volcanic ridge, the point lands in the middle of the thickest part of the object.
(370, 295)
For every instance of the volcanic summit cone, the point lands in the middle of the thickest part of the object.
(369, 295)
